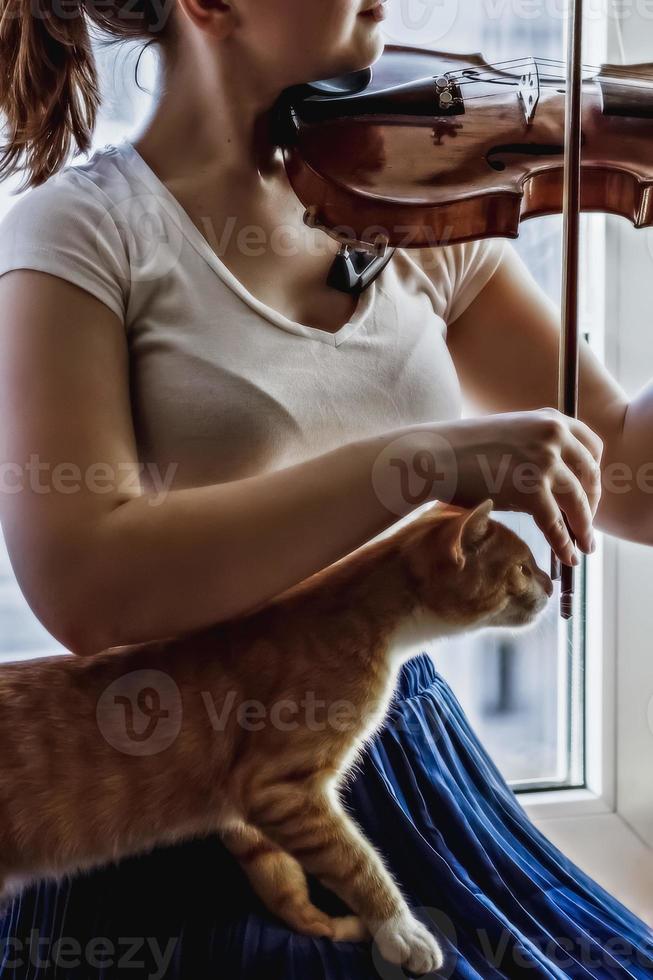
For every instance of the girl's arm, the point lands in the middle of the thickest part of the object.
(103, 563)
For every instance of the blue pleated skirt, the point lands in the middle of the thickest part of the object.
(505, 902)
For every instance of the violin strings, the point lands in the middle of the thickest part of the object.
(635, 78)
(612, 71)
(495, 95)
(488, 76)
(490, 69)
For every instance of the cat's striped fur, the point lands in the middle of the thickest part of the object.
(73, 794)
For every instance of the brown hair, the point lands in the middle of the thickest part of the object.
(49, 93)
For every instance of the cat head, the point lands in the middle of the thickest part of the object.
(471, 571)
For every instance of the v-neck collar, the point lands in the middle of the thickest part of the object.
(195, 238)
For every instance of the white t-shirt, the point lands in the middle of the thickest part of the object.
(222, 385)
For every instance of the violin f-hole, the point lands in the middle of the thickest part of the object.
(498, 156)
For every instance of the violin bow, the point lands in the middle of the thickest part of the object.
(568, 355)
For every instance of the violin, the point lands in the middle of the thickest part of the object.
(428, 148)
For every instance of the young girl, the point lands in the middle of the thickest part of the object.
(193, 421)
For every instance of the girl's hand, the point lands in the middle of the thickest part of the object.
(539, 462)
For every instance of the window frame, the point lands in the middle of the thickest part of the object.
(617, 803)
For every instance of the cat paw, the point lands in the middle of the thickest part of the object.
(345, 929)
(404, 941)
(350, 929)
(311, 922)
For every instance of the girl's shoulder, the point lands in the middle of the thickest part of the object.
(454, 275)
(95, 186)
(71, 226)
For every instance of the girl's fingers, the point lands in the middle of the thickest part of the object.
(549, 519)
(571, 498)
(583, 454)
(582, 464)
(587, 436)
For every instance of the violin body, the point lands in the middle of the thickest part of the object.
(442, 148)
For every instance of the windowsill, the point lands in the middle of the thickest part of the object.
(562, 803)
(605, 847)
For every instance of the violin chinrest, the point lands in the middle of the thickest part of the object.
(350, 84)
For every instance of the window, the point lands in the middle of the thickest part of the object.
(524, 694)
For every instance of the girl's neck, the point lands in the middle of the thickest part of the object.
(212, 116)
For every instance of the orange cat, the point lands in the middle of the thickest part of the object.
(221, 730)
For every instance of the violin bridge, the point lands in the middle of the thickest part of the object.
(530, 90)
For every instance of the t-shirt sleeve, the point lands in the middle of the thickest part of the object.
(471, 266)
(66, 227)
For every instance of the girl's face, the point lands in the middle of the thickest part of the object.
(295, 41)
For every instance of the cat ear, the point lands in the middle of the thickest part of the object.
(476, 523)
(469, 530)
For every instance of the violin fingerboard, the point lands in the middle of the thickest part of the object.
(627, 95)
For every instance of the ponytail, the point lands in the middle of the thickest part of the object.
(48, 85)
(49, 92)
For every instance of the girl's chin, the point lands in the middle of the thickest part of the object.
(370, 46)
(361, 51)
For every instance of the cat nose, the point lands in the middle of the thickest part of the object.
(547, 583)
